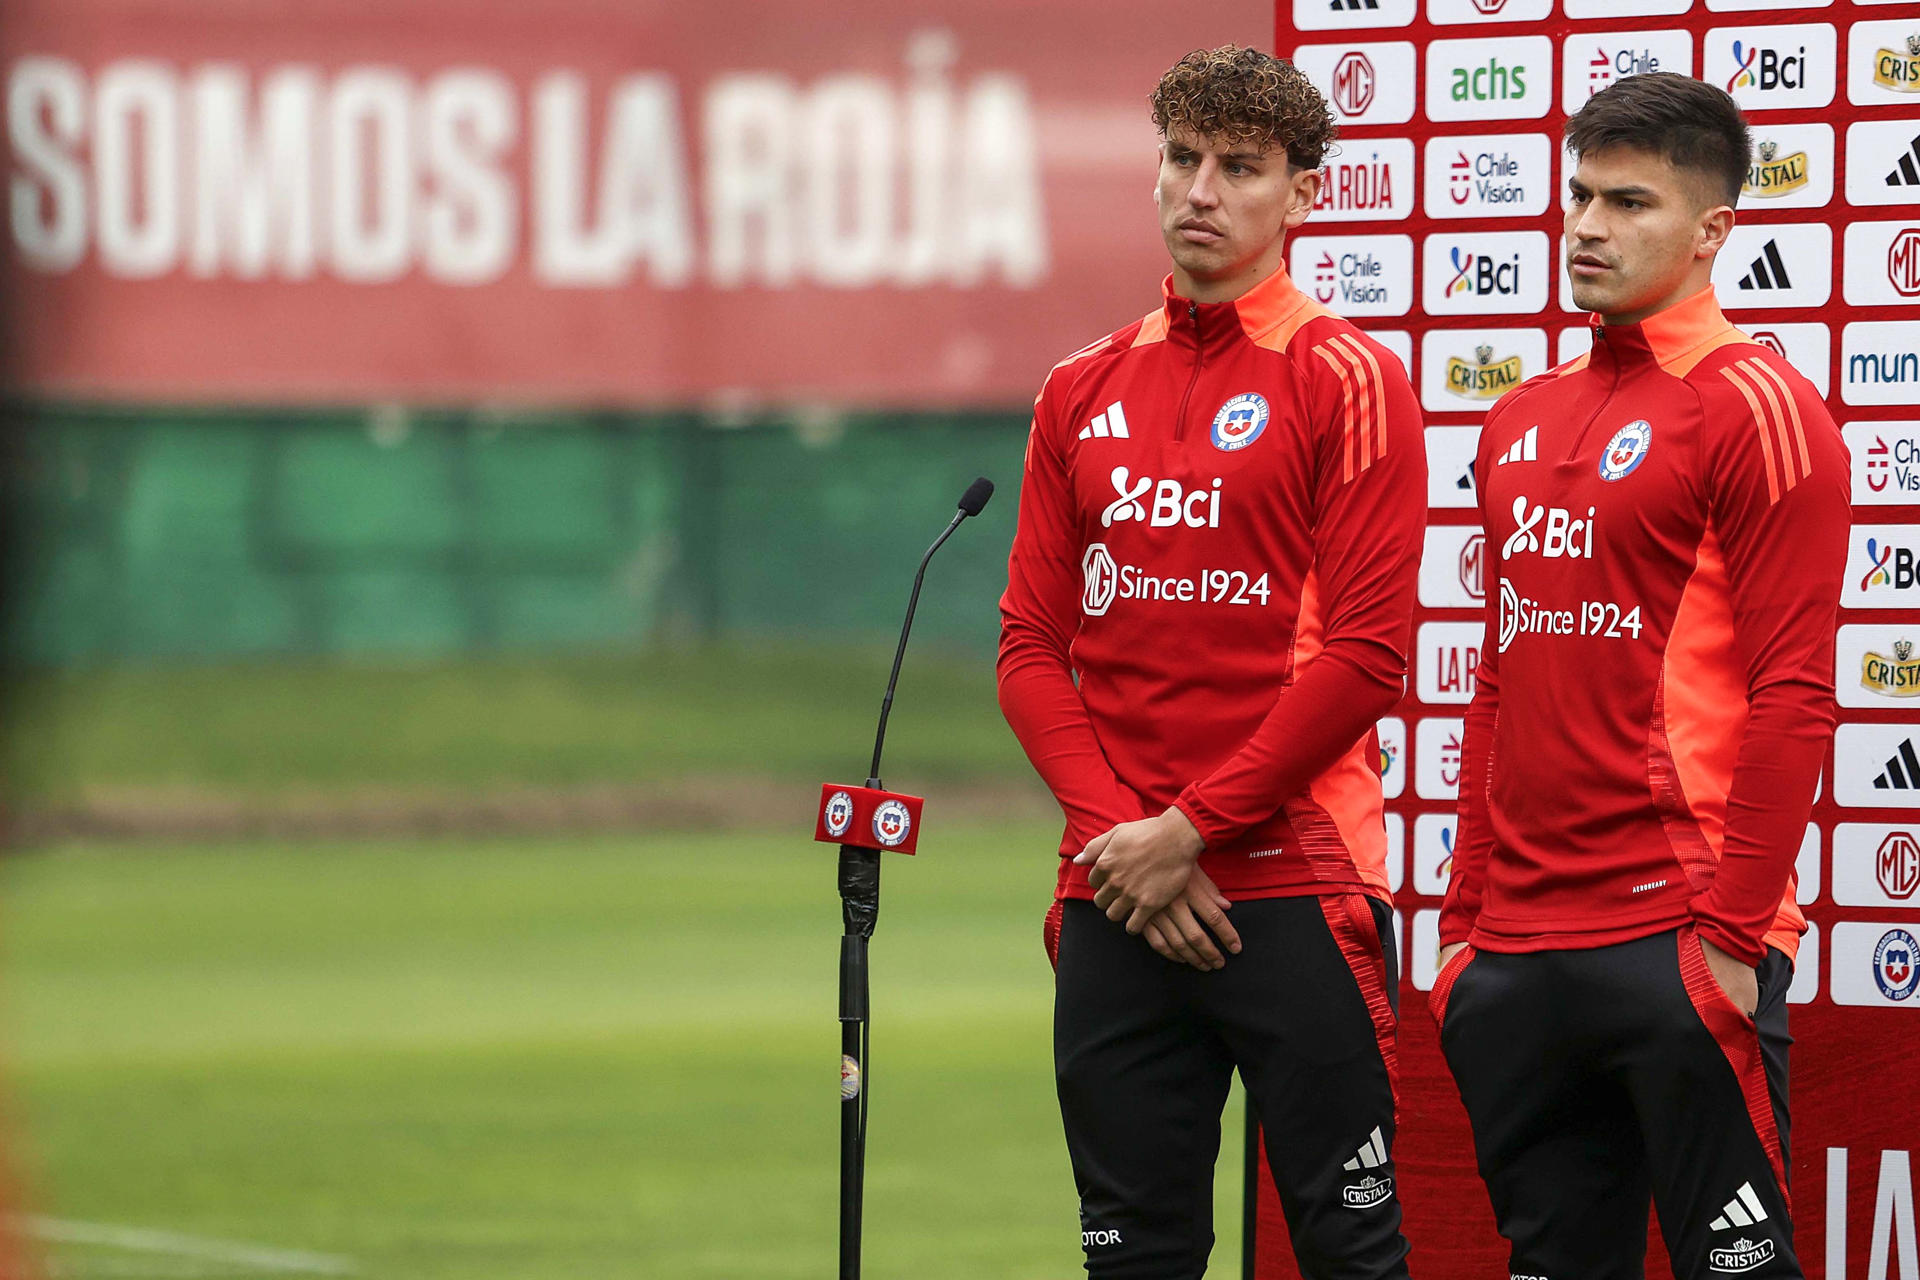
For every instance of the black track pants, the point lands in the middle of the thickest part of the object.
(1596, 1079)
(1144, 1052)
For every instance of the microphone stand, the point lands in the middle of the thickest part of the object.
(860, 911)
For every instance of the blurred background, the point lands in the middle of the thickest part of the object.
(464, 465)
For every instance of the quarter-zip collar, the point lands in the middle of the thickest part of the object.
(1206, 325)
(1666, 338)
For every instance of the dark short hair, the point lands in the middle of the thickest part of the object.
(1244, 95)
(1692, 124)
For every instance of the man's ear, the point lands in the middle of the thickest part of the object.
(1305, 190)
(1716, 224)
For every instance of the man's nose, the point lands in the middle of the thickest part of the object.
(1591, 224)
(1204, 194)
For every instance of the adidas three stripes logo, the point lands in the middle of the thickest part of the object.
(1743, 1210)
(1373, 1154)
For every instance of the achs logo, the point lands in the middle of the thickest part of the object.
(1485, 378)
(1903, 263)
(1563, 536)
(1626, 451)
(1482, 276)
(1100, 577)
(1741, 1255)
(1898, 71)
(1895, 677)
(1774, 175)
(1172, 503)
(1238, 424)
(1894, 968)
(1495, 82)
(1354, 82)
(1896, 865)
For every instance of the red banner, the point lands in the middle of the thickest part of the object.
(867, 204)
(1439, 233)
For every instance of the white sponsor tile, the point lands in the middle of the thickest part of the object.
(1433, 835)
(1467, 370)
(1492, 78)
(1436, 759)
(1806, 866)
(1593, 60)
(1396, 851)
(1883, 162)
(1364, 82)
(1875, 864)
(1868, 670)
(1739, 6)
(1452, 567)
(1470, 13)
(1882, 264)
(1423, 950)
(1883, 567)
(1874, 766)
(1873, 963)
(1886, 462)
(1625, 8)
(1393, 756)
(1879, 363)
(1450, 479)
(1775, 265)
(1769, 68)
(1484, 273)
(1807, 347)
(1792, 168)
(1882, 67)
(1574, 341)
(1488, 175)
(1355, 275)
(1334, 15)
(1398, 341)
(1446, 656)
(1370, 180)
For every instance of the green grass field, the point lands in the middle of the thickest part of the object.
(605, 1057)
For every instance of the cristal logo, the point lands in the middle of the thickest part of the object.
(1366, 1193)
(1741, 1255)
(1172, 503)
(1481, 276)
(1354, 82)
(1101, 579)
(1564, 536)
(1903, 263)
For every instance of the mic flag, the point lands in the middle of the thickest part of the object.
(866, 818)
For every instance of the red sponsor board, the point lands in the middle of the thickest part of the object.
(913, 204)
(1440, 232)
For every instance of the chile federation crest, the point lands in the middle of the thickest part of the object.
(1240, 422)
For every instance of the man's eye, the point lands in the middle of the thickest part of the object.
(1630, 204)
(1236, 169)
(1579, 197)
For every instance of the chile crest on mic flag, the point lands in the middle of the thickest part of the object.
(867, 818)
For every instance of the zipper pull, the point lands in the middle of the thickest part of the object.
(1193, 311)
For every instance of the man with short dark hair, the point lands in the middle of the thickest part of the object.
(1207, 608)
(1666, 521)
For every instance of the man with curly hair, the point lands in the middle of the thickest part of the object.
(1207, 608)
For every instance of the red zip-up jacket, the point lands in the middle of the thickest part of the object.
(1211, 586)
(1666, 520)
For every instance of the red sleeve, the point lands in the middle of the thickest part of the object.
(1039, 616)
(1371, 499)
(1777, 491)
(1473, 831)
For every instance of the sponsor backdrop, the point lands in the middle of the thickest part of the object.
(1439, 232)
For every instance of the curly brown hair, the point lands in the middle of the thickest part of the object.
(1236, 95)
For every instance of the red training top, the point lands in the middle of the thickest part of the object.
(1211, 586)
(1667, 522)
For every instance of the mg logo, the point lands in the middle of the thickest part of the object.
(1489, 7)
(1897, 865)
(1101, 577)
(1353, 83)
(1903, 263)
(1472, 559)
(1770, 340)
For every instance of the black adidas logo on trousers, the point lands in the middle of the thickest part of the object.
(1903, 770)
(1907, 172)
(1768, 271)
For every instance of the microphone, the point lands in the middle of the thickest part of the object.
(972, 503)
(863, 821)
